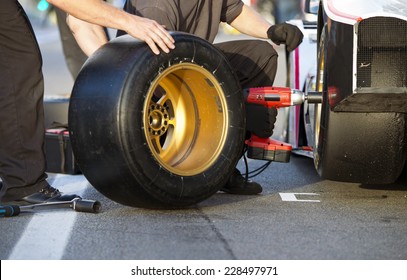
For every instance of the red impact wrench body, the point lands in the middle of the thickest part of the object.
(274, 97)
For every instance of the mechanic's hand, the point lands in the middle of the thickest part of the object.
(151, 32)
(285, 33)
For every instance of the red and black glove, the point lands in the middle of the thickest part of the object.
(287, 34)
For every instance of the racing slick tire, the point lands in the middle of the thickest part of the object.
(157, 131)
(367, 148)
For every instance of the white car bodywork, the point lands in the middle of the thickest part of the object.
(302, 61)
(351, 11)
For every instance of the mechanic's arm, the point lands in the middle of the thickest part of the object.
(253, 24)
(101, 13)
(89, 37)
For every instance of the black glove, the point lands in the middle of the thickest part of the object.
(285, 33)
(260, 120)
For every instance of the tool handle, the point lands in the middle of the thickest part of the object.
(9, 210)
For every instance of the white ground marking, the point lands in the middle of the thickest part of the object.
(293, 197)
(48, 232)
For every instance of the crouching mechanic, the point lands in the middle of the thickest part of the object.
(254, 61)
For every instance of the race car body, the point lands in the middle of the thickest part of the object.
(355, 53)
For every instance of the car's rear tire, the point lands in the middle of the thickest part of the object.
(368, 148)
(157, 131)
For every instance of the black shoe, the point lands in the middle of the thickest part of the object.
(48, 194)
(237, 184)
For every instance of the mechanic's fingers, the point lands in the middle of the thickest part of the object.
(289, 41)
(167, 34)
(162, 41)
(294, 39)
(150, 42)
(165, 38)
(162, 38)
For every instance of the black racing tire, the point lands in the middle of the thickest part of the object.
(367, 148)
(157, 131)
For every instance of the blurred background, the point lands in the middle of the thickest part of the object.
(61, 61)
(62, 58)
(276, 11)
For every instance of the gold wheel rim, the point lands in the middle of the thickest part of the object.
(185, 119)
(319, 88)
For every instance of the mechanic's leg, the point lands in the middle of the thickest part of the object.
(22, 159)
(255, 63)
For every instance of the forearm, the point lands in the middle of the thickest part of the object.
(94, 11)
(101, 13)
(251, 23)
(89, 36)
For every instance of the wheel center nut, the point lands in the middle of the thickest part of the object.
(158, 119)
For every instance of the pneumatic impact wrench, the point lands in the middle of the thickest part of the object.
(277, 97)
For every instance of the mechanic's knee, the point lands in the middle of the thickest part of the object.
(260, 120)
(265, 51)
(266, 59)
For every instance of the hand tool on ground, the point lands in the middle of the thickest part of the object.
(77, 204)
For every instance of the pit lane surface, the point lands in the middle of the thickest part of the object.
(298, 215)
